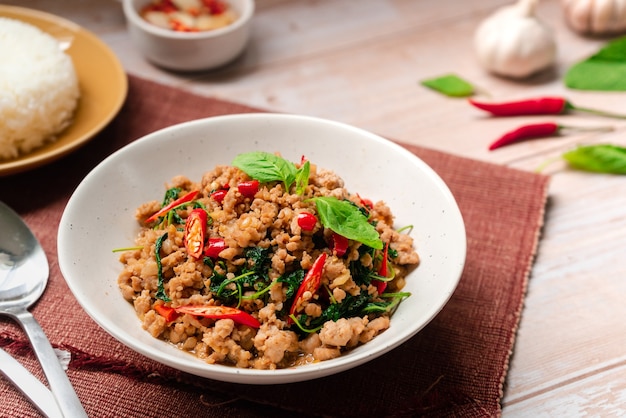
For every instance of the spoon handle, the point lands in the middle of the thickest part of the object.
(57, 378)
(29, 385)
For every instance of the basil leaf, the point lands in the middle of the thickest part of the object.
(612, 51)
(347, 220)
(597, 76)
(450, 85)
(602, 158)
(603, 71)
(266, 167)
(170, 195)
(302, 178)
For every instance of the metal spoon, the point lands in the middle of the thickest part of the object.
(23, 277)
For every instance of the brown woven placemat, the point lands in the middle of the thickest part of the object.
(455, 366)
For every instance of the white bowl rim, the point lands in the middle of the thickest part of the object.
(252, 376)
(131, 13)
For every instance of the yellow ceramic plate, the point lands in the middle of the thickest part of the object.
(102, 81)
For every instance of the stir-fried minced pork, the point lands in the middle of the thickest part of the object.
(259, 273)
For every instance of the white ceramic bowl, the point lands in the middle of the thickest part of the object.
(101, 211)
(182, 51)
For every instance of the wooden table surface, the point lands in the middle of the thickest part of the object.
(361, 62)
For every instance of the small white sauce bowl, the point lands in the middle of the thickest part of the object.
(189, 51)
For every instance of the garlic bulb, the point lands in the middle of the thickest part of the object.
(513, 42)
(595, 17)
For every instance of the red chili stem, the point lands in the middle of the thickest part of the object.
(595, 112)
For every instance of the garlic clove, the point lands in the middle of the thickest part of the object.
(512, 42)
(595, 17)
(606, 17)
(159, 19)
(577, 14)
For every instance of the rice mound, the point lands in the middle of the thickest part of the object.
(39, 89)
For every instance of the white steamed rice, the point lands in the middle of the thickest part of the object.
(38, 88)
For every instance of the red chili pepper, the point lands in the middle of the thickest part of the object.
(215, 6)
(220, 312)
(194, 11)
(166, 312)
(219, 194)
(383, 271)
(539, 130)
(339, 244)
(538, 106)
(311, 283)
(306, 221)
(179, 26)
(248, 188)
(536, 130)
(366, 202)
(194, 232)
(166, 6)
(214, 247)
(184, 199)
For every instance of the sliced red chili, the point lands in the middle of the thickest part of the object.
(165, 6)
(184, 199)
(306, 221)
(248, 188)
(195, 227)
(383, 271)
(220, 312)
(216, 7)
(214, 247)
(311, 283)
(179, 26)
(219, 194)
(339, 244)
(166, 312)
(380, 286)
(366, 202)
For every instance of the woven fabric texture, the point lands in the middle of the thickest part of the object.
(456, 366)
